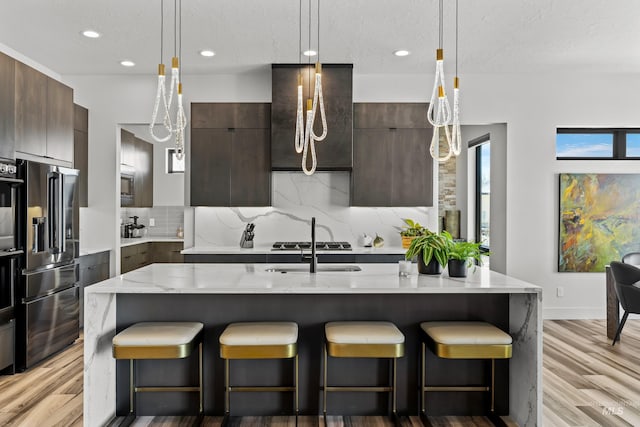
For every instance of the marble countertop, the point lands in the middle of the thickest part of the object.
(255, 279)
(260, 249)
(91, 251)
(146, 239)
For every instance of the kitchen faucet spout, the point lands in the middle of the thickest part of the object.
(313, 259)
(313, 264)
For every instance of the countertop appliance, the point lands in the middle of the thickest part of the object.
(320, 246)
(47, 304)
(9, 263)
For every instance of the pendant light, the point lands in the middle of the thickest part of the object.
(456, 136)
(305, 137)
(439, 111)
(164, 102)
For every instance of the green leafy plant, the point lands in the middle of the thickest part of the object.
(431, 245)
(465, 251)
(412, 228)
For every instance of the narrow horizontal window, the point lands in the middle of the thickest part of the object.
(173, 164)
(584, 145)
(633, 145)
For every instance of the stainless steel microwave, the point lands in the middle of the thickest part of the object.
(126, 189)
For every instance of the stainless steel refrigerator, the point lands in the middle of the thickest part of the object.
(47, 306)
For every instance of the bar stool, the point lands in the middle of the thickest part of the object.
(463, 340)
(159, 340)
(258, 340)
(362, 339)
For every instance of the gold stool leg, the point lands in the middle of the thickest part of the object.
(200, 378)
(422, 380)
(227, 404)
(324, 384)
(296, 385)
(493, 384)
(132, 386)
(393, 391)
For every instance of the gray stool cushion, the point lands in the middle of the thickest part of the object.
(466, 333)
(260, 333)
(157, 340)
(363, 332)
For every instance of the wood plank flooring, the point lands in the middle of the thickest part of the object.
(586, 382)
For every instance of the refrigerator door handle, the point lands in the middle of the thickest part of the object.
(54, 202)
(62, 220)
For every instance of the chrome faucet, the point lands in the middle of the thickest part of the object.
(313, 259)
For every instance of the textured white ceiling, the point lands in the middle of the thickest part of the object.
(511, 36)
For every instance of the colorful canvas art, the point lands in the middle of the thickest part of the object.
(599, 220)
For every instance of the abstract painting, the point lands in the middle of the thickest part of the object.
(599, 220)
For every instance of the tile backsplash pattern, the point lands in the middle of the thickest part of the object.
(296, 198)
(167, 219)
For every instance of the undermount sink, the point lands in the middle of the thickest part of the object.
(305, 268)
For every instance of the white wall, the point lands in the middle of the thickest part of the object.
(465, 185)
(532, 106)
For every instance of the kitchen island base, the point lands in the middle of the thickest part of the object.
(118, 306)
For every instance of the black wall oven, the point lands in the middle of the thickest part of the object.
(9, 262)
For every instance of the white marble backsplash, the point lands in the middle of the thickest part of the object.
(295, 199)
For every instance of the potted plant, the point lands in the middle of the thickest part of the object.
(432, 250)
(410, 231)
(461, 256)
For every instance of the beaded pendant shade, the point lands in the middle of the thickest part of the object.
(305, 136)
(170, 101)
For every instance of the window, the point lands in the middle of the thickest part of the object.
(173, 164)
(482, 148)
(597, 144)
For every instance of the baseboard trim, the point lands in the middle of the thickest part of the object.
(565, 313)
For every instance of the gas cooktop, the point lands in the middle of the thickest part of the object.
(322, 246)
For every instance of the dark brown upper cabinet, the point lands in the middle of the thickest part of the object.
(43, 115)
(335, 152)
(81, 151)
(230, 154)
(391, 161)
(7, 107)
(143, 177)
(31, 110)
(136, 158)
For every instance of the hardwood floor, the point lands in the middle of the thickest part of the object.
(586, 382)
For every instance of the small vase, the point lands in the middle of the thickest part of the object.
(457, 268)
(406, 241)
(432, 268)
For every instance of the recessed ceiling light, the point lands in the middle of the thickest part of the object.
(401, 52)
(309, 53)
(91, 34)
(127, 63)
(207, 53)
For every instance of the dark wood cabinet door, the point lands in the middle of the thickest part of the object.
(163, 252)
(239, 115)
(80, 118)
(250, 173)
(81, 151)
(372, 168)
(127, 148)
(81, 162)
(210, 167)
(59, 121)
(143, 177)
(30, 110)
(336, 151)
(147, 190)
(7, 107)
(385, 115)
(412, 168)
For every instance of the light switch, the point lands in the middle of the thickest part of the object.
(152, 222)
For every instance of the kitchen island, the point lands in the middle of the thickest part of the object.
(217, 294)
